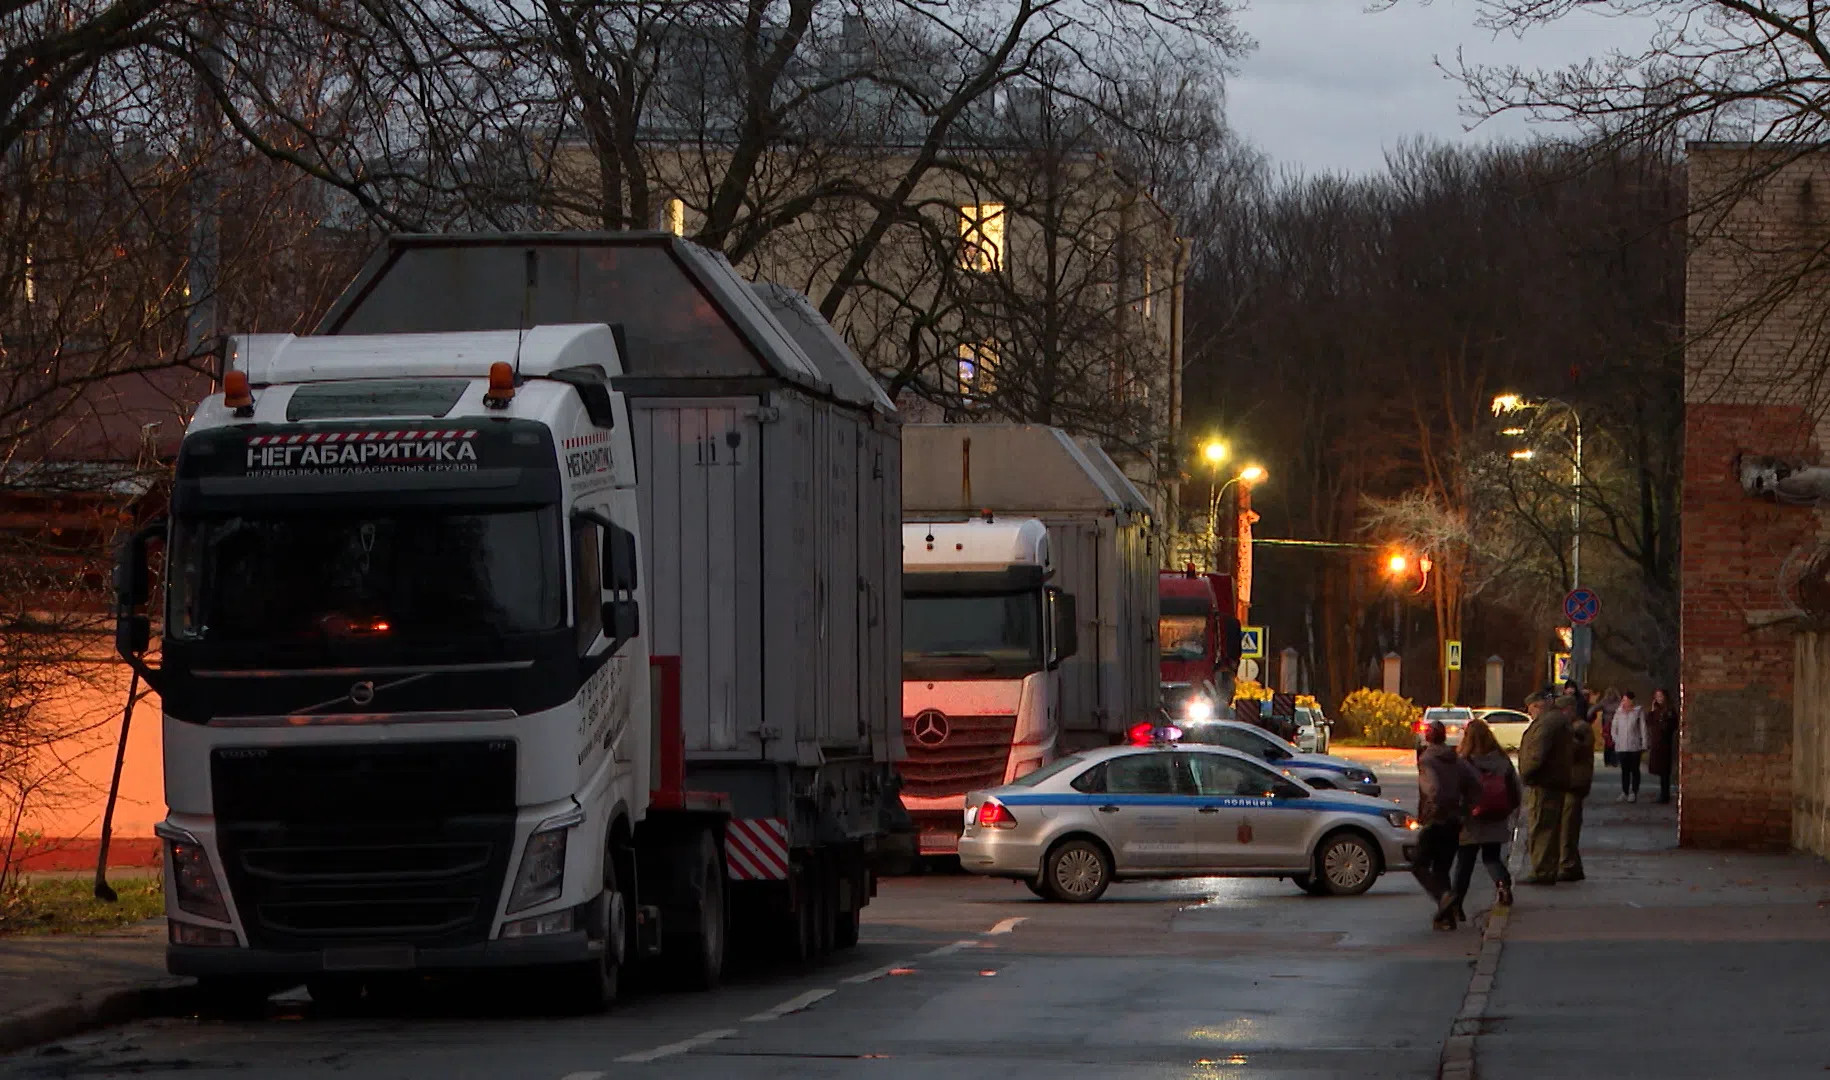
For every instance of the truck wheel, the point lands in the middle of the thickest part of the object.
(1077, 871)
(825, 905)
(591, 987)
(696, 957)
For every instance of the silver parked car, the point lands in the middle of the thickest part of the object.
(1172, 811)
(1317, 770)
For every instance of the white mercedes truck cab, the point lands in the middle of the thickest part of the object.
(984, 632)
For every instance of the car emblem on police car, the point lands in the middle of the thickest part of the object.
(362, 693)
(930, 728)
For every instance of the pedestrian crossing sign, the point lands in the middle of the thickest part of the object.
(1251, 642)
(1452, 657)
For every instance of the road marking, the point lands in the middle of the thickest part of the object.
(945, 950)
(871, 976)
(792, 1005)
(671, 1049)
(1007, 925)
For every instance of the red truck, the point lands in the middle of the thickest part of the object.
(1198, 636)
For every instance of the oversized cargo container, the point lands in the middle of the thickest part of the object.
(768, 464)
(1100, 537)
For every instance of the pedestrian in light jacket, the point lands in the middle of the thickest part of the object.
(1629, 727)
(1544, 765)
(1661, 739)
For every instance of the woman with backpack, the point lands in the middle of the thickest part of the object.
(1488, 828)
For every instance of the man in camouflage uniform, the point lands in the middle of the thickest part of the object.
(1545, 754)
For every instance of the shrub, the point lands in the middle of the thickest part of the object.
(1247, 690)
(1380, 718)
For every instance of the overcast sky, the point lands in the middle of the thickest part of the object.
(1331, 86)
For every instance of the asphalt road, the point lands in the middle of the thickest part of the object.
(956, 976)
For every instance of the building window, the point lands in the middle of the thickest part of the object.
(978, 366)
(981, 234)
(676, 217)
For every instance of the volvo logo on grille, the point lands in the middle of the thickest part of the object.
(362, 693)
(930, 728)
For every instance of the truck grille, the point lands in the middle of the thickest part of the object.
(973, 755)
(331, 845)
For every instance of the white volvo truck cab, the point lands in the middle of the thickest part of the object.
(983, 636)
(407, 720)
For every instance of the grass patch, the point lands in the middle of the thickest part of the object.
(69, 906)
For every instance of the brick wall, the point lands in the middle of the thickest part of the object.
(1751, 387)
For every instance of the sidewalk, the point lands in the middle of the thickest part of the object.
(53, 986)
(1663, 963)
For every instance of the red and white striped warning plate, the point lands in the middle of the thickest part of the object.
(756, 849)
(330, 437)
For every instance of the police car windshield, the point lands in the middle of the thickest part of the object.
(1060, 765)
(419, 576)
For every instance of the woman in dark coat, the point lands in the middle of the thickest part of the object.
(1661, 740)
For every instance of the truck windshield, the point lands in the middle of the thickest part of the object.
(405, 577)
(1182, 637)
(1000, 628)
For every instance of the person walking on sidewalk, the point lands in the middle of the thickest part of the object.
(1447, 789)
(1581, 778)
(1629, 726)
(1544, 765)
(1489, 824)
(1602, 716)
(1661, 742)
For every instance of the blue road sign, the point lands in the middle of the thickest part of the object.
(1581, 606)
(1251, 642)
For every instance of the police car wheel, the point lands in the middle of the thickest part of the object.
(1347, 865)
(1077, 872)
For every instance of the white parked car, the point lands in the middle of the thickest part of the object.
(1508, 725)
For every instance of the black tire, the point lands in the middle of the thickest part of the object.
(845, 924)
(825, 905)
(1346, 864)
(592, 987)
(1076, 872)
(1310, 884)
(1035, 886)
(696, 956)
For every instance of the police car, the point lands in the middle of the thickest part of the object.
(1171, 810)
(1316, 770)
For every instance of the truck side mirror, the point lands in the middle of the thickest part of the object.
(1066, 626)
(132, 581)
(622, 622)
(132, 635)
(132, 590)
(620, 572)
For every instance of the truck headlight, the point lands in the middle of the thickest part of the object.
(1199, 708)
(542, 874)
(194, 884)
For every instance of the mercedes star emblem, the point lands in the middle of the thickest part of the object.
(930, 728)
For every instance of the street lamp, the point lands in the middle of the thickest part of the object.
(1511, 403)
(1214, 451)
(1243, 517)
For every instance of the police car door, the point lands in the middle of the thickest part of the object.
(1144, 809)
(1245, 821)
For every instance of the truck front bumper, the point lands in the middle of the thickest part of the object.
(548, 949)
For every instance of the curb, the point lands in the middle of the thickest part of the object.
(1457, 1060)
(105, 1006)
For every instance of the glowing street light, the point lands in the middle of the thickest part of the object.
(1397, 564)
(1506, 403)
(1251, 474)
(1523, 455)
(1214, 451)
(1513, 432)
